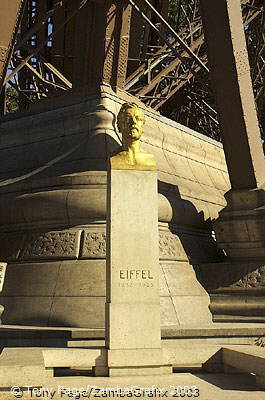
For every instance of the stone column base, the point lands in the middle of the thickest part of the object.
(240, 227)
(237, 290)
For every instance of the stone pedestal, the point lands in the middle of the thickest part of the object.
(133, 337)
(56, 254)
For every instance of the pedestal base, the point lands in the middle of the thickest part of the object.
(237, 290)
(130, 362)
(140, 371)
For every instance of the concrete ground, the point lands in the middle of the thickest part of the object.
(204, 386)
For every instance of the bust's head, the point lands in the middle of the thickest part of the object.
(130, 122)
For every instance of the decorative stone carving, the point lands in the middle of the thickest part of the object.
(170, 247)
(256, 278)
(260, 341)
(94, 245)
(53, 245)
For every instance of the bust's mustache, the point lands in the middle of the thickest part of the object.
(132, 128)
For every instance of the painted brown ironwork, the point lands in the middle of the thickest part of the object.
(170, 71)
(117, 43)
(9, 22)
(153, 49)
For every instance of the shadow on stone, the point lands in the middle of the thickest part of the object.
(236, 382)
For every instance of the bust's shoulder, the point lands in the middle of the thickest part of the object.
(138, 161)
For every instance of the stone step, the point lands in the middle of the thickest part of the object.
(250, 359)
(33, 366)
(73, 358)
(85, 343)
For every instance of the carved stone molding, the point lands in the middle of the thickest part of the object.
(170, 247)
(94, 245)
(53, 245)
(69, 244)
(256, 278)
(260, 341)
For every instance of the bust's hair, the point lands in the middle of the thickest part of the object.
(123, 110)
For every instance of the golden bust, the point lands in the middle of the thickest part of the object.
(130, 121)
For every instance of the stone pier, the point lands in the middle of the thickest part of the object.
(236, 286)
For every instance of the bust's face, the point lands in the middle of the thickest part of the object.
(133, 124)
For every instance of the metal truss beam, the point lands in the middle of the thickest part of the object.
(141, 10)
(9, 21)
(117, 43)
(161, 60)
(169, 79)
(27, 59)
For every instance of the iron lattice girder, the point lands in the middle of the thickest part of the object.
(169, 60)
(9, 21)
(140, 7)
(117, 43)
(115, 35)
(161, 86)
(39, 47)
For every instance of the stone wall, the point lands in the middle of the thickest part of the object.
(53, 211)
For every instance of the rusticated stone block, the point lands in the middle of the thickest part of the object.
(53, 245)
(94, 245)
